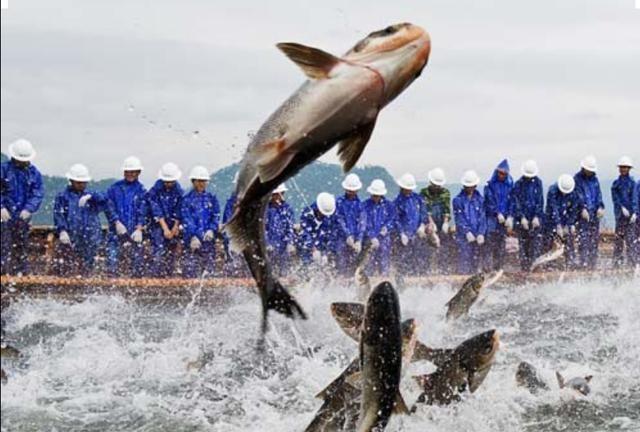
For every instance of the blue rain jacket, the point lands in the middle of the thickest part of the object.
(279, 226)
(378, 216)
(590, 193)
(200, 213)
(350, 218)
(636, 199)
(562, 209)
(410, 212)
(21, 188)
(126, 203)
(81, 223)
(497, 197)
(469, 214)
(622, 194)
(527, 199)
(318, 233)
(165, 203)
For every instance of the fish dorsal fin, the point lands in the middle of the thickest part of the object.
(355, 380)
(400, 406)
(272, 158)
(350, 148)
(560, 379)
(315, 63)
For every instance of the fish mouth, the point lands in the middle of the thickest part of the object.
(493, 278)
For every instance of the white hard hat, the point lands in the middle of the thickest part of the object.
(530, 168)
(280, 189)
(79, 173)
(407, 181)
(625, 161)
(470, 178)
(169, 172)
(436, 176)
(326, 203)
(589, 163)
(199, 172)
(352, 183)
(132, 163)
(22, 150)
(377, 187)
(566, 183)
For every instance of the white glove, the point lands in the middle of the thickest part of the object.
(625, 212)
(634, 218)
(573, 230)
(384, 231)
(25, 215)
(445, 227)
(64, 238)
(422, 231)
(84, 199)
(509, 223)
(317, 256)
(350, 241)
(357, 247)
(375, 243)
(324, 260)
(137, 236)
(291, 249)
(470, 237)
(524, 222)
(501, 219)
(208, 235)
(585, 215)
(195, 243)
(5, 216)
(600, 213)
(404, 239)
(120, 228)
(560, 231)
(535, 222)
(269, 248)
(480, 239)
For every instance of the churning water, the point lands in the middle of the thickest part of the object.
(110, 364)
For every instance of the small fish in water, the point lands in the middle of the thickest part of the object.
(527, 376)
(460, 303)
(338, 104)
(579, 384)
(466, 368)
(9, 352)
(556, 252)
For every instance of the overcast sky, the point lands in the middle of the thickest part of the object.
(94, 81)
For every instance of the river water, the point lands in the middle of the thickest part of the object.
(113, 364)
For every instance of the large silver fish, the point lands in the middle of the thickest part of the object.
(460, 303)
(556, 252)
(339, 104)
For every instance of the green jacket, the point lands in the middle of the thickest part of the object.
(438, 204)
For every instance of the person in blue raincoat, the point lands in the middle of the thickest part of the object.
(22, 193)
(622, 195)
(561, 216)
(350, 226)
(126, 213)
(76, 219)
(437, 200)
(200, 212)
(471, 224)
(379, 214)
(318, 231)
(588, 188)
(234, 265)
(279, 234)
(411, 219)
(497, 193)
(527, 214)
(635, 221)
(163, 203)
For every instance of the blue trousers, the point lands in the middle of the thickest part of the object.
(410, 260)
(76, 259)
(588, 240)
(163, 254)
(625, 238)
(530, 246)
(195, 263)
(125, 257)
(495, 250)
(13, 247)
(380, 261)
(469, 257)
(346, 259)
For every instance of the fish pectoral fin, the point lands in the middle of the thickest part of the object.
(355, 380)
(350, 148)
(272, 158)
(315, 63)
(400, 406)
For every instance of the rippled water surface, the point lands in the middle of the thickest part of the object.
(113, 364)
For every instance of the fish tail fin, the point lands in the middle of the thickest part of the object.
(560, 379)
(281, 301)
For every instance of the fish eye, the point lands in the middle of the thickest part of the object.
(390, 30)
(488, 349)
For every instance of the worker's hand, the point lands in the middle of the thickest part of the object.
(508, 224)
(625, 212)
(384, 231)
(560, 231)
(480, 239)
(585, 215)
(269, 248)
(445, 227)
(524, 223)
(291, 249)
(573, 230)
(84, 199)
(600, 213)
(120, 228)
(404, 239)
(501, 219)
(25, 215)
(350, 241)
(5, 216)
(64, 238)
(633, 218)
(195, 243)
(208, 235)
(535, 222)
(422, 231)
(168, 234)
(470, 237)
(137, 236)
(317, 256)
(357, 247)
(375, 243)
